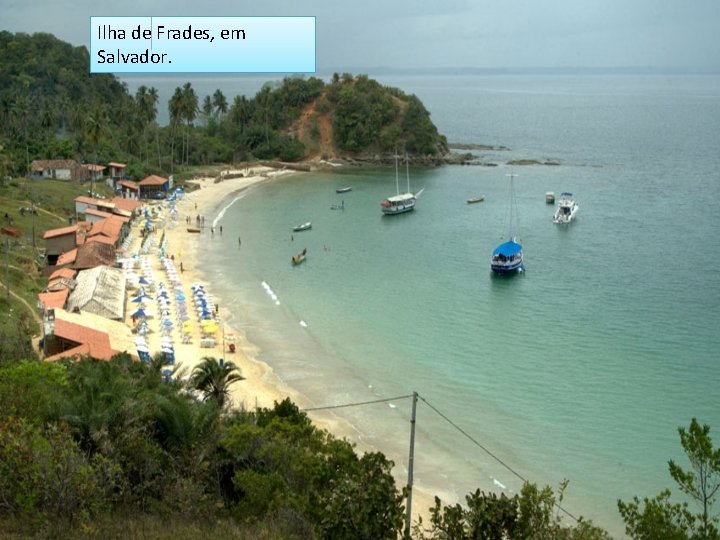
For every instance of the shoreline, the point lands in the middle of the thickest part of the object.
(262, 386)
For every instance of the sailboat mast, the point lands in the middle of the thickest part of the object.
(511, 231)
(407, 171)
(397, 177)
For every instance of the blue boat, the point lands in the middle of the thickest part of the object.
(507, 258)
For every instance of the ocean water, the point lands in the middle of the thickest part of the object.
(582, 368)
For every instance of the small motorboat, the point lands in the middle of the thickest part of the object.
(300, 257)
(550, 197)
(474, 200)
(193, 230)
(343, 189)
(566, 210)
(303, 227)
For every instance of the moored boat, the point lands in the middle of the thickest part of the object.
(474, 200)
(303, 227)
(344, 189)
(401, 202)
(566, 210)
(300, 257)
(193, 230)
(507, 258)
(550, 197)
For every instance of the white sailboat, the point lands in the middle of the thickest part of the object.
(402, 202)
(507, 258)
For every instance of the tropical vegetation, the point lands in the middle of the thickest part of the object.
(51, 107)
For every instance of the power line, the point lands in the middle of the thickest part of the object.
(447, 419)
(488, 452)
(357, 404)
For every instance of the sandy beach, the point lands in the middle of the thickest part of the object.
(261, 387)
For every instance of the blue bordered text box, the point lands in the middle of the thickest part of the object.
(202, 44)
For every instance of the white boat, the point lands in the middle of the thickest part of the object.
(566, 210)
(507, 258)
(343, 189)
(402, 202)
(303, 227)
(550, 197)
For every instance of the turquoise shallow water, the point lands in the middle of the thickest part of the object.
(584, 367)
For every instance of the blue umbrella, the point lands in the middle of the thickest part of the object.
(138, 299)
(143, 281)
(139, 313)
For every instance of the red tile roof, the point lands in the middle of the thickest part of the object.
(55, 299)
(67, 273)
(153, 180)
(90, 342)
(54, 233)
(67, 257)
(126, 204)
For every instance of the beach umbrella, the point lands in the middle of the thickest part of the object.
(139, 313)
(143, 349)
(143, 281)
(138, 299)
(180, 296)
(210, 327)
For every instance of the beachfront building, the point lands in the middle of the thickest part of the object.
(77, 335)
(99, 290)
(116, 173)
(153, 185)
(59, 241)
(129, 189)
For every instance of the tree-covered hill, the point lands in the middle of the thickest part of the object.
(51, 107)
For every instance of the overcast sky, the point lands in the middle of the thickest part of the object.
(675, 34)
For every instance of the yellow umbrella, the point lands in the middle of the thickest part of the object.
(210, 328)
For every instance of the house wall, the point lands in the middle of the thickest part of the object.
(80, 207)
(60, 244)
(58, 174)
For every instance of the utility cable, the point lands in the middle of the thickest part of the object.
(356, 404)
(488, 452)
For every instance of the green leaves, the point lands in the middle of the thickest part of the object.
(213, 379)
(658, 517)
(487, 516)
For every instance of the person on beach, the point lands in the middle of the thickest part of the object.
(181, 267)
(220, 229)
(239, 241)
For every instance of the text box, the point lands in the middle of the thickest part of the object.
(202, 44)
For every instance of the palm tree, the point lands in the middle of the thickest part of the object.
(219, 102)
(213, 378)
(175, 109)
(207, 108)
(189, 110)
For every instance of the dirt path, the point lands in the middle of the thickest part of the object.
(31, 309)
